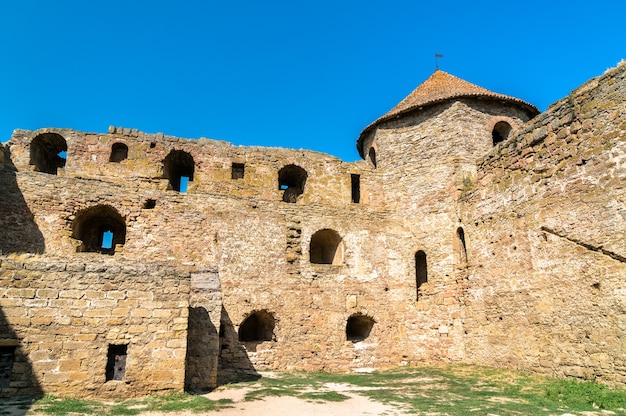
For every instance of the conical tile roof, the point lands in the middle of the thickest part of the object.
(440, 86)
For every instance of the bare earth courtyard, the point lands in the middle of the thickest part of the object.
(451, 390)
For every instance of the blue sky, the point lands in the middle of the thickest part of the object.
(292, 74)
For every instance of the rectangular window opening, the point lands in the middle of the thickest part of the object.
(116, 362)
(107, 239)
(184, 181)
(356, 188)
(237, 171)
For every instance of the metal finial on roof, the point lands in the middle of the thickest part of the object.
(437, 56)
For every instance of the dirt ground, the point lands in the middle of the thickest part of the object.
(356, 405)
(291, 406)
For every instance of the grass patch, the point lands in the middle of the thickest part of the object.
(324, 396)
(452, 390)
(174, 402)
(51, 405)
(177, 402)
(581, 395)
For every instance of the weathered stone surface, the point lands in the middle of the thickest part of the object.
(524, 247)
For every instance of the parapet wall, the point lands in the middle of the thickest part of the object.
(548, 253)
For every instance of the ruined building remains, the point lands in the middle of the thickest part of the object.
(476, 230)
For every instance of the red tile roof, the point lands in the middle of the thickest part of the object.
(440, 86)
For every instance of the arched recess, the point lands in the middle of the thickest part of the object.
(421, 271)
(47, 152)
(257, 327)
(372, 156)
(501, 131)
(100, 228)
(178, 166)
(119, 152)
(291, 180)
(461, 245)
(359, 327)
(326, 247)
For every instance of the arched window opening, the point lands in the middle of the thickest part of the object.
(372, 156)
(48, 152)
(178, 168)
(358, 327)
(119, 152)
(421, 271)
(460, 235)
(500, 132)
(100, 229)
(291, 180)
(257, 327)
(326, 247)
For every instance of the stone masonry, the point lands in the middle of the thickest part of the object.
(475, 230)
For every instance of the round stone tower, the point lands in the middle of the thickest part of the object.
(423, 155)
(427, 145)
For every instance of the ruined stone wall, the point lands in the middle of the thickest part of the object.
(523, 252)
(88, 156)
(548, 248)
(65, 313)
(261, 246)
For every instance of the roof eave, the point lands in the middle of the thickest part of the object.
(529, 108)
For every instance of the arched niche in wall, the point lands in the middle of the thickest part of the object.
(119, 152)
(421, 272)
(48, 152)
(178, 167)
(359, 327)
(461, 245)
(100, 229)
(501, 131)
(257, 327)
(326, 247)
(372, 157)
(291, 181)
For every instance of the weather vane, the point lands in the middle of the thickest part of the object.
(437, 56)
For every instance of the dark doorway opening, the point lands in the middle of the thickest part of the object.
(116, 362)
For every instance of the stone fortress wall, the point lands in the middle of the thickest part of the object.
(438, 247)
(547, 214)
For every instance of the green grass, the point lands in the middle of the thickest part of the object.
(52, 405)
(174, 402)
(452, 390)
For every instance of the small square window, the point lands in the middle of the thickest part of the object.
(237, 171)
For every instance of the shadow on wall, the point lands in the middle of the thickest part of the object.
(234, 364)
(20, 233)
(202, 351)
(16, 373)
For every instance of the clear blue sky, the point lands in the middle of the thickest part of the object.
(292, 74)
